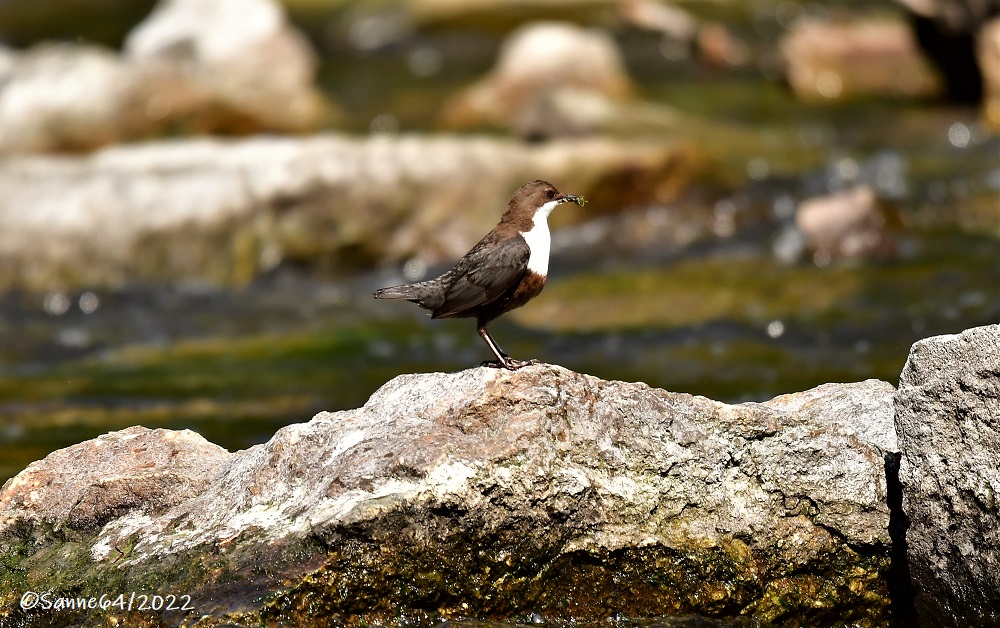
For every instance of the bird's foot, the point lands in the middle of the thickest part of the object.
(508, 363)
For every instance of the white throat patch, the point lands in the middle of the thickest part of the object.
(538, 239)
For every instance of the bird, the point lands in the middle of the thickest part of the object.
(505, 270)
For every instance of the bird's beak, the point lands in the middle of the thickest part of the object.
(570, 198)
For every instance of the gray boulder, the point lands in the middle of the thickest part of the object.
(480, 494)
(948, 421)
(224, 211)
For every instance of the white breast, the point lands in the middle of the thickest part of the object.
(538, 239)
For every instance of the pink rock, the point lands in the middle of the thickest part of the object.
(833, 60)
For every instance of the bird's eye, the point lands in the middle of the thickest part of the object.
(550, 193)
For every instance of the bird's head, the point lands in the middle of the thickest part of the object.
(535, 200)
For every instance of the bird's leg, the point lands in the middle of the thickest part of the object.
(503, 360)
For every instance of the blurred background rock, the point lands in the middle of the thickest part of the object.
(198, 197)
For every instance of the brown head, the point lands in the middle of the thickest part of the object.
(531, 198)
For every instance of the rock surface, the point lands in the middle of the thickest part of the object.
(223, 211)
(481, 494)
(163, 468)
(948, 421)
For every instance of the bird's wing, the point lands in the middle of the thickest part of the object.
(484, 274)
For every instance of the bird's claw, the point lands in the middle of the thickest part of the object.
(508, 363)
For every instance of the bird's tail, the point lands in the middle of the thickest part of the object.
(424, 293)
(427, 294)
(409, 291)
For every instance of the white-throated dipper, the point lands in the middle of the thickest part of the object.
(503, 272)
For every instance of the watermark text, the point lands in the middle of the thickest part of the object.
(133, 601)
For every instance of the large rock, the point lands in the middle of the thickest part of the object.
(480, 494)
(204, 65)
(242, 52)
(832, 60)
(948, 421)
(551, 79)
(163, 468)
(223, 211)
